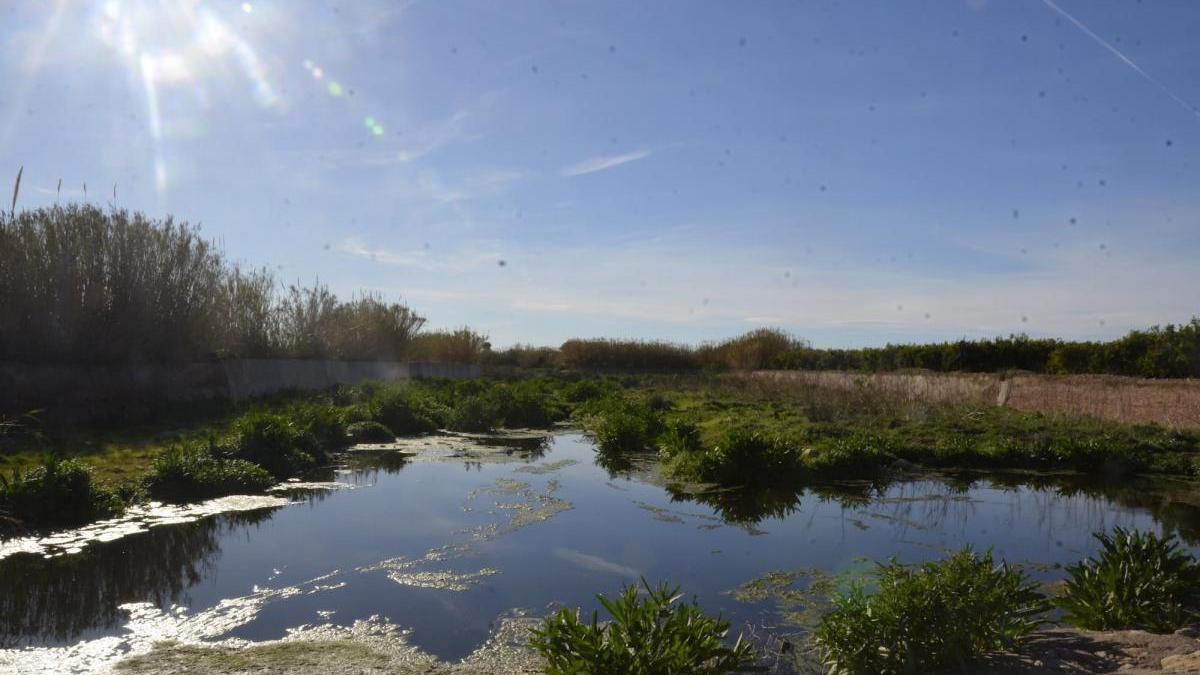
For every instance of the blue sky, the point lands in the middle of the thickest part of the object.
(853, 172)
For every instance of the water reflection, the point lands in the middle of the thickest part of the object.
(931, 503)
(54, 600)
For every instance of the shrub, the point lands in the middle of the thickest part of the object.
(59, 493)
(199, 471)
(627, 355)
(937, 617)
(458, 346)
(326, 423)
(645, 637)
(1140, 580)
(275, 443)
(405, 411)
(527, 405)
(624, 426)
(744, 456)
(369, 432)
(475, 413)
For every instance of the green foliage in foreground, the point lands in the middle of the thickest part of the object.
(59, 493)
(1139, 580)
(939, 616)
(200, 471)
(646, 636)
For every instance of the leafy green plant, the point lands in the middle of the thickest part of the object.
(405, 410)
(276, 443)
(475, 413)
(369, 432)
(199, 471)
(936, 617)
(646, 636)
(624, 426)
(1139, 580)
(58, 493)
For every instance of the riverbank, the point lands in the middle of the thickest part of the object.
(720, 429)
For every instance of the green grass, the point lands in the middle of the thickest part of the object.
(760, 435)
(713, 429)
(938, 617)
(646, 635)
(1139, 580)
(200, 471)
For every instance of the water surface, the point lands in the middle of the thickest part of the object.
(448, 542)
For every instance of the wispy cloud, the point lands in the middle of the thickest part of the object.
(355, 247)
(456, 128)
(595, 164)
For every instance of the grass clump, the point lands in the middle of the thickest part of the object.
(369, 432)
(201, 471)
(58, 493)
(646, 636)
(940, 616)
(1139, 580)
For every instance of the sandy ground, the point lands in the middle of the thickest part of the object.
(1133, 652)
(1055, 651)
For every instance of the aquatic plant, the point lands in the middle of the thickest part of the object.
(623, 425)
(405, 410)
(646, 636)
(276, 443)
(1139, 580)
(475, 413)
(325, 422)
(369, 432)
(938, 616)
(199, 471)
(57, 493)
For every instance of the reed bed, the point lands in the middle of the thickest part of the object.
(80, 284)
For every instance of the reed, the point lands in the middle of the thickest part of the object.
(79, 284)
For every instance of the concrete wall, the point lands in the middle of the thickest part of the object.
(101, 390)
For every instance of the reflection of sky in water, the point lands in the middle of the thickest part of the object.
(447, 547)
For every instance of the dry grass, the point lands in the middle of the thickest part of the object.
(1171, 403)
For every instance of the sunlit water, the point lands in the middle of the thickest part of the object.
(447, 545)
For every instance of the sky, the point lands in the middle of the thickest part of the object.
(852, 172)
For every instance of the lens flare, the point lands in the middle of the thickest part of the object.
(180, 48)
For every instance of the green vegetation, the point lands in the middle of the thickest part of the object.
(277, 443)
(620, 424)
(646, 636)
(369, 432)
(83, 285)
(763, 434)
(940, 616)
(1140, 580)
(1166, 351)
(200, 471)
(58, 493)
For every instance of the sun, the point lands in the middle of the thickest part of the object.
(181, 47)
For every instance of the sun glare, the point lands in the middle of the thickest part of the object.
(181, 48)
